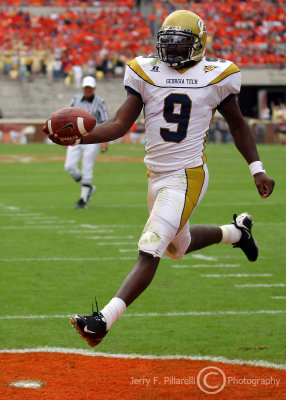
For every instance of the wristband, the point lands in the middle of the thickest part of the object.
(256, 167)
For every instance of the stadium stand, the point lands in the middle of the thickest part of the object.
(47, 46)
(252, 33)
(67, 3)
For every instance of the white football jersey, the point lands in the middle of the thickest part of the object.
(179, 106)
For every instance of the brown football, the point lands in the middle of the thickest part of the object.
(70, 123)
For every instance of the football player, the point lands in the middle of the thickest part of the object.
(180, 89)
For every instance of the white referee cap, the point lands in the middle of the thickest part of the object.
(89, 81)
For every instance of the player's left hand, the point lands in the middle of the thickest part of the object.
(264, 184)
(104, 147)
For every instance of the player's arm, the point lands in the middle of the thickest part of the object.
(115, 127)
(245, 143)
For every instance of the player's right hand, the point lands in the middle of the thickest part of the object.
(61, 140)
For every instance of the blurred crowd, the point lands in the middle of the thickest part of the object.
(251, 33)
(71, 43)
(66, 3)
(77, 41)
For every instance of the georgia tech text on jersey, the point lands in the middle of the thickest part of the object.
(182, 81)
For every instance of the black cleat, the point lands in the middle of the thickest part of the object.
(91, 328)
(247, 243)
(81, 204)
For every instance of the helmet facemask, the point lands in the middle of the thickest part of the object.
(176, 47)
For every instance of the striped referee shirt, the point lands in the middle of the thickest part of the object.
(95, 106)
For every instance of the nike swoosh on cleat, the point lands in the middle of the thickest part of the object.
(87, 330)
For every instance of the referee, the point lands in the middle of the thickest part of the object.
(96, 106)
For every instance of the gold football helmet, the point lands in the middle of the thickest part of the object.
(181, 39)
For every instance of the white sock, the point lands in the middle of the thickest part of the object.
(230, 234)
(113, 310)
(84, 192)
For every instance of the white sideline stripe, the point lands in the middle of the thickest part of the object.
(24, 215)
(109, 237)
(127, 250)
(58, 227)
(234, 275)
(262, 285)
(116, 243)
(170, 314)
(207, 266)
(278, 297)
(254, 363)
(255, 203)
(107, 226)
(81, 231)
(66, 259)
(42, 217)
(202, 257)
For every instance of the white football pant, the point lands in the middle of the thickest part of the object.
(172, 198)
(87, 153)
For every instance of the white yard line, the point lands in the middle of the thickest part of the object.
(278, 297)
(219, 359)
(154, 314)
(207, 266)
(116, 244)
(109, 237)
(203, 257)
(66, 259)
(234, 275)
(262, 285)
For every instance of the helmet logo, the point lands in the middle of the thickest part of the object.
(202, 27)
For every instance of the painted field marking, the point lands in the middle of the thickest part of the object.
(203, 257)
(66, 259)
(47, 349)
(255, 203)
(28, 384)
(207, 266)
(262, 285)
(116, 243)
(109, 237)
(58, 227)
(278, 297)
(234, 275)
(154, 314)
(106, 226)
(22, 215)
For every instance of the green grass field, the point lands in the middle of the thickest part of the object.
(54, 259)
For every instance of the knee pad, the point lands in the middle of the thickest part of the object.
(152, 243)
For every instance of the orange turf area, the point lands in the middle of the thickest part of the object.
(81, 377)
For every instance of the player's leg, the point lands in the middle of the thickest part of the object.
(89, 155)
(195, 237)
(196, 187)
(73, 156)
(139, 278)
(238, 233)
(159, 230)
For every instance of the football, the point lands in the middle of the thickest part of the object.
(70, 123)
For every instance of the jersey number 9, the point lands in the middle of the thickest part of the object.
(180, 118)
